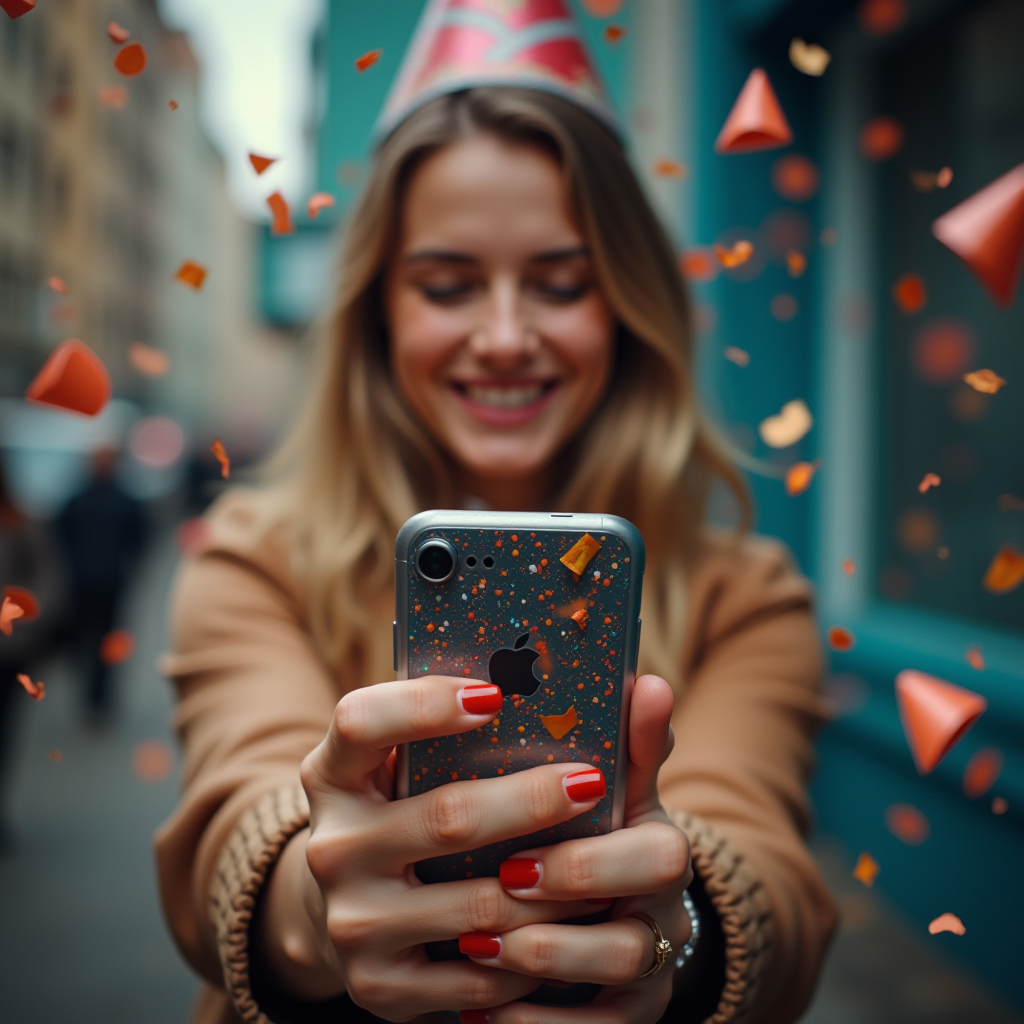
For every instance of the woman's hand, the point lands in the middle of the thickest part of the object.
(355, 919)
(646, 865)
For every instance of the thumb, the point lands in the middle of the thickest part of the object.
(650, 742)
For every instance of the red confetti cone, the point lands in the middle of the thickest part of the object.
(72, 378)
(16, 8)
(935, 715)
(987, 232)
(756, 120)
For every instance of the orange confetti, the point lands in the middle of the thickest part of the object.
(24, 599)
(736, 255)
(602, 8)
(880, 17)
(795, 178)
(1006, 571)
(58, 285)
(131, 60)
(73, 378)
(849, 566)
(737, 355)
(63, 311)
(980, 775)
(985, 381)
(909, 293)
(116, 33)
(559, 725)
(784, 307)
(319, 201)
(930, 480)
(577, 557)
(699, 265)
(152, 761)
(935, 715)
(947, 923)
(666, 168)
(261, 163)
(9, 613)
(172, 105)
(16, 8)
(882, 138)
(926, 181)
(113, 96)
(613, 34)
(191, 274)
(117, 646)
(756, 120)
(799, 477)
(866, 870)
(282, 217)
(796, 263)
(580, 617)
(367, 60)
(975, 658)
(999, 805)
(788, 426)
(809, 58)
(840, 639)
(221, 455)
(55, 755)
(907, 824)
(150, 362)
(37, 691)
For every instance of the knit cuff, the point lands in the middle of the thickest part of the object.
(243, 865)
(745, 913)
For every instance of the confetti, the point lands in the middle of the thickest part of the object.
(795, 178)
(840, 639)
(602, 8)
(907, 824)
(809, 58)
(1010, 503)
(828, 236)
(756, 121)
(261, 163)
(191, 274)
(882, 138)
(942, 351)
(880, 17)
(117, 646)
(58, 285)
(24, 599)
(55, 755)
(37, 691)
(866, 870)
(577, 557)
(172, 105)
(796, 263)
(367, 60)
(113, 96)
(10, 612)
(926, 181)
(665, 168)
(980, 775)
(152, 761)
(16, 8)
(282, 218)
(985, 381)
(909, 293)
(131, 60)
(699, 265)
(975, 658)
(116, 33)
(849, 566)
(930, 480)
(613, 34)
(559, 725)
(935, 715)
(737, 355)
(784, 307)
(788, 426)
(1005, 572)
(221, 455)
(319, 201)
(947, 923)
(999, 805)
(735, 255)
(150, 362)
(580, 617)
(73, 378)
(799, 477)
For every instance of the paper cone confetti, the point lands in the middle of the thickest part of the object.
(756, 120)
(73, 378)
(935, 715)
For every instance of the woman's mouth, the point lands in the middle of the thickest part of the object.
(504, 403)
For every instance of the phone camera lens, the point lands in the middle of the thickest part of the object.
(471, 561)
(436, 561)
(488, 562)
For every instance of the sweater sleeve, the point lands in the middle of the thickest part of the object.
(735, 781)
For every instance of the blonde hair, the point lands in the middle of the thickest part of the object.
(358, 464)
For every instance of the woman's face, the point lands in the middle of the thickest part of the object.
(501, 342)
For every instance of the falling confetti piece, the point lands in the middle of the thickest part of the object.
(261, 163)
(24, 599)
(113, 96)
(866, 870)
(935, 715)
(16, 8)
(975, 658)
(756, 121)
(172, 104)
(699, 265)
(37, 691)
(602, 8)
(985, 381)
(882, 138)
(799, 477)
(999, 805)
(942, 351)
(947, 923)
(282, 218)
(9, 613)
(613, 34)
(1006, 571)
(55, 755)
(131, 60)
(809, 58)
(665, 168)
(735, 255)
(319, 201)
(980, 775)
(942, 552)
(909, 293)
(367, 60)
(152, 761)
(828, 236)
(220, 453)
(737, 355)
(880, 17)
(116, 33)
(58, 285)
(73, 378)
(191, 274)
(907, 824)
(784, 307)
(1010, 503)
(796, 263)
(580, 617)
(926, 181)
(150, 362)
(840, 639)
(580, 554)
(849, 566)
(795, 178)
(930, 480)
(559, 725)
(788, 426)
(117, 646)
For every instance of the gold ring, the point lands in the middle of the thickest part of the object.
(662, 947)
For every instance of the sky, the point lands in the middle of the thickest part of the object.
(257, 88)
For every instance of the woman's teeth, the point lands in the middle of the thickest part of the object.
(505, 397)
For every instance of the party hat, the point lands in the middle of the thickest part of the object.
(463, 44)
(756, 120)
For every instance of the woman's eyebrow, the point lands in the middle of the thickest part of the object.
(442, 256)
(556, 255)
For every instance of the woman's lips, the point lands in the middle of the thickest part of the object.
(505, 404)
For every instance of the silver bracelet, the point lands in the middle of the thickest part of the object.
(687, 951)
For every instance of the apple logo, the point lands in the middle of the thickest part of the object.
(512, 669)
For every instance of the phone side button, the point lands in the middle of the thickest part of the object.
(394, 643)
(636, 652)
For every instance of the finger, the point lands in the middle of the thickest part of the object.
(648, 858)
(630, 1005)
(650, 742)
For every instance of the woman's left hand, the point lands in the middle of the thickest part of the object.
(645, 866)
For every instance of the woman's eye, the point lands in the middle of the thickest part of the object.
(443, 293)
(562, 292)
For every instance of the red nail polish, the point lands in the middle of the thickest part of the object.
(582, 787)
(474, 1017)
(519, 873)
(482, 944)
(480, 699)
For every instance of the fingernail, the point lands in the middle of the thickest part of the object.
(474, 1017)
(480, 699)
(519, 873)
(482, 944)
(582, 787)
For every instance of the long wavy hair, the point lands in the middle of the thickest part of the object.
(358, 463)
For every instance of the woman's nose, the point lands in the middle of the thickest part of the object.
(504, 337)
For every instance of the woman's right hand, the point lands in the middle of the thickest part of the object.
(344, 910)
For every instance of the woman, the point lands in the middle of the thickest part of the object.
(510, 329)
